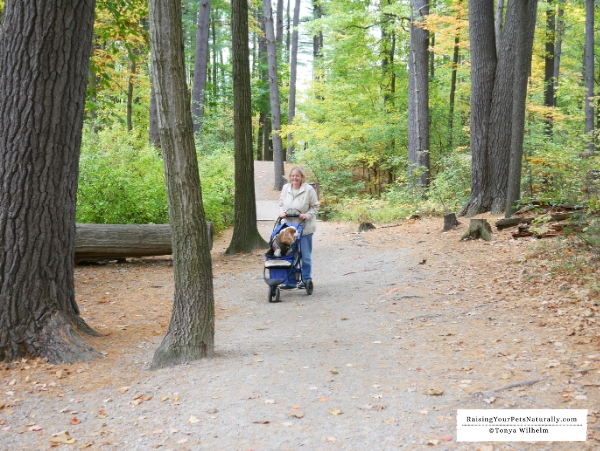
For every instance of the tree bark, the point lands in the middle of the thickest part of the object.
(191, 331)
(418, 87)
(455, 55)
(279, 24)
(118, 241)
(245, 236)
(589, 72)
(293, 76)
(560, 31)
(317, 39)
(200, 64)
(492, 85)
(154, 133)
(44, 56)
(130, 87)
(524, 48)
(549, 96)
(274, 96)
(478, 228)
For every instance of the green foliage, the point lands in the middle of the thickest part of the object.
(121, 181)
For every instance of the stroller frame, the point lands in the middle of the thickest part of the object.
(283, 267)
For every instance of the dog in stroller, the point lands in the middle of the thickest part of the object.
(283, 260)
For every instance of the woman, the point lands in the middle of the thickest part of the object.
(297, 196)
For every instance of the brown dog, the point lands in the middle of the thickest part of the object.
(283, 241)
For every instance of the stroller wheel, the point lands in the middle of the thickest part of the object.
(277, 294)
(309, 287)
(270, 294)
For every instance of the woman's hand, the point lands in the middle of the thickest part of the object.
(283, 215)
(302, 216)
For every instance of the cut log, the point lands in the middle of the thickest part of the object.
(119, 241)
(511, 222)
(450, 222)
(478, 228)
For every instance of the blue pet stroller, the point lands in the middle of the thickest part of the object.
(285, 269)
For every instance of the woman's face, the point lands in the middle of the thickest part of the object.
(296, 179)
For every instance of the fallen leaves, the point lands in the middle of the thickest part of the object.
(336, 411)
(296, 414)
(62, 437)
(193, 420)
(434, 392)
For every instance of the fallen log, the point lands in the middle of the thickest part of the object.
(119, 241)
(511, 222)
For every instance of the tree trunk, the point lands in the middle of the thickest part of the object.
(274, 91)
(524, 48)
(118, 241)
(245, 236)
(418, 87)
(264, 126)
(293, 73)
(154, 133)
(491, 115)
(44, 55)
(560, 31)
(130, 87)
(214, 54)
(279, 24)
(549, 96)
(589, 72)
(317, 39)
(200, 64)
(288, 37)
(455, 56)
(191, 331)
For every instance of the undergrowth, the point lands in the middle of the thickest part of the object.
(121, 181)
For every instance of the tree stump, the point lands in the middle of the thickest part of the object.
(365, 227)
(478, 228)
(450, 222)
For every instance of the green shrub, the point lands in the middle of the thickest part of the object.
(121, 181)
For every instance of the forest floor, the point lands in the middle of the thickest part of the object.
(405, 326)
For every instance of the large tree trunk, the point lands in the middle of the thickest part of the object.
(191, 331)
(293, 75)
(589, 72)
(523, 52)
(483, 67)
(200, 64)
(418, 88)
(274, 96)
(245, 236)
(44, 55)
(492, 123)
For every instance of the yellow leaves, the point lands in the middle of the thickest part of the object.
(335, 412)
(193, 420)
(62, 437)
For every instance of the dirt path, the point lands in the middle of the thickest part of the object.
(406, 325)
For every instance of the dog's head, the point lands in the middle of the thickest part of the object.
(288, 235)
